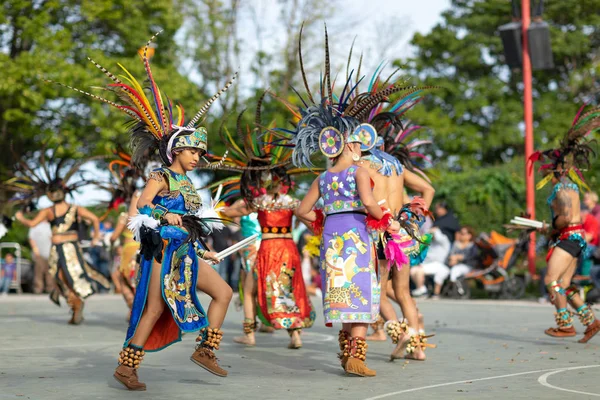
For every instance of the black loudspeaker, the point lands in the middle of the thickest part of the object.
(540, 48)
(511, 39)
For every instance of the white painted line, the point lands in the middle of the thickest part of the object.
(63, 346)
(382, 396)
(543, 380)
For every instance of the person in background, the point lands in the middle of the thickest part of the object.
(590, 200)
(40, 240)
(432, 265)
(463, 255)
(8, 272)
(445, 220)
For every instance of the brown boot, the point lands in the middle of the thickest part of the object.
(76, 305)
(592, 324)
(126, 373)
(208, 340)
(356, 353)
(561, 331)
(564, 325)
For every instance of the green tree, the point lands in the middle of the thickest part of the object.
(51, 39)
(477, 116)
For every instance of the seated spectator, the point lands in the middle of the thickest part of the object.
(8, 272)
(463, 255)
(445, 220)
(434, 264)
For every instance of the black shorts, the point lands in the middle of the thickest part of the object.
(570, 246)
(380, 248)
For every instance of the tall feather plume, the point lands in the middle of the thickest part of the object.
(154, 88)
(310, 96)
(207, 105)
(113, 77)
(328, 69)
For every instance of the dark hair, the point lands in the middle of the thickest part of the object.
(443, 204)
(470, 230)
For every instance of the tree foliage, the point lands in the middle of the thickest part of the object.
(477, 116)
(50, 39)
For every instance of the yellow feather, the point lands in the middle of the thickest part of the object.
(575, 178)
(544, 182)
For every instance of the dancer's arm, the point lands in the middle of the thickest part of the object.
(237, 209)
(90, 216)
(420, 185)
(305, 212)
(156, 184)
(121, 225)
(30, 223)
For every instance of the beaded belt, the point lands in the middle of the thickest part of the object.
(276, 229)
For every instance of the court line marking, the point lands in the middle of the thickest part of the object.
(382, 396)
(63, 346)
(543, 380)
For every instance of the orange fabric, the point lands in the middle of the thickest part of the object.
(281, 292)
(496, 239)
(165, 332)
(275, 218)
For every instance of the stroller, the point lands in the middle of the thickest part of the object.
(498, 255)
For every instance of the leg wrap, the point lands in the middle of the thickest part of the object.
(210, 338)
(555, 286)
(571, 291)
(418, 341)
(131, 356)
(586, 315)
(563, 318)
(249, 326)
(395, 329)
(356, 347)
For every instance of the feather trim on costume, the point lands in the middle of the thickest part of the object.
(394, 252)
(382, 224)
(136, 222)
(212, 218)
(317, 224)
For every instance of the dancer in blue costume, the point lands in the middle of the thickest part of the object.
(563, 168)
(170, 226)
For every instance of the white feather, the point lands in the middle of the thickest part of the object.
(210, 212)
(135, 224)
(3, 230)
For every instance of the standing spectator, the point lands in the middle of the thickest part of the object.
(40, 240)
(445, 220)
(8, 272)
(590, 200)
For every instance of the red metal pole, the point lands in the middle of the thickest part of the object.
(528, 112)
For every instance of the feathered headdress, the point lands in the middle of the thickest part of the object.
(50, 173)
(335, 120)
(574, 151)
(156, 127)
(255, 156)
(125, 176)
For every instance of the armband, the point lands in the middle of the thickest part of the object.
(157, 212)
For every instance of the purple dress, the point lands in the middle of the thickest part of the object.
(351, 290)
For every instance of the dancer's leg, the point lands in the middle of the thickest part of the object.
(155, 306)
(400, 282)
(212, 284)
(249, 311)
